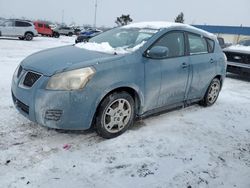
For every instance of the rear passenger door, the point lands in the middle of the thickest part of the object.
(47, 29)
(203, 64)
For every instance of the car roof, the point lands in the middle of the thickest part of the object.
(167, 25)
(19, 20)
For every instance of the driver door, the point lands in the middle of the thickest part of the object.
(171, 72)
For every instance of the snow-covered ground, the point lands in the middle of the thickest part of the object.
(191, 147)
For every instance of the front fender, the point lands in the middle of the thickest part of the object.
(121, 85)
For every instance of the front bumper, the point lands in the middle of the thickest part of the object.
(71, 110)
(238, 68)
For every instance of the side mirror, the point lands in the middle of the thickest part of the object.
(158, 52)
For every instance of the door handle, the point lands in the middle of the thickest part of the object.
(211, 61)
(184, 65)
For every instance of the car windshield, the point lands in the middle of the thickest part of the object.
(124, 37)
(244, 43)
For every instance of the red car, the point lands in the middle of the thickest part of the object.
(45, 30)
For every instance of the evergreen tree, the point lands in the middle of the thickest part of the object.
(180, 18)
(123, 20)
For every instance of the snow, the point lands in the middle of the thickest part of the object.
(106, 48)
(153, 25)
(195, 146)
(164, 24)
(239, 48)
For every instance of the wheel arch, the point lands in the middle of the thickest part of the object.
(132, 90)
(28, 32)
(220, 77)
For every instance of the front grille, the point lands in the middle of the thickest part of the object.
(20, 69)
(238, 57)
(53, 115)
(19, 104)
(30, 79)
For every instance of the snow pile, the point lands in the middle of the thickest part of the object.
(239, 47)
(106, 48)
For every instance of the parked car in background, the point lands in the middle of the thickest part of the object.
(222, 42)
(238, 58)
(68, 31)
(124, 73)
(45, 30)
(77, 30)
(22, 29)
(86, 35)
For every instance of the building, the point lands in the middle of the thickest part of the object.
(231, 34)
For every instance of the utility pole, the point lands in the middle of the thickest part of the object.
(62, 17)
(95, 13)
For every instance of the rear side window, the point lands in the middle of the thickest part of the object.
(210, 45)
(174, 41)
(46, 26)
(40, 25)
(8, 24)
(197, 44)
(22, 24)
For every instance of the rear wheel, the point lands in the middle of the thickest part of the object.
(28, 36)
(56, 34)
(212, 93)
(70, 34)
(115, 115)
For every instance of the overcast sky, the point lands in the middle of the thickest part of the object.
(210, 12)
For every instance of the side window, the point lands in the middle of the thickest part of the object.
(210, 44)
(40, 25)
(197, 44)
(46, 26)
(8, 24)
(22, 24)
(174, 41)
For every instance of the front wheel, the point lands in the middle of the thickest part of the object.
(212, 93)
(115, 115)
(56, 34)
(28, 36)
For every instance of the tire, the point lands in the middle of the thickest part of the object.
(56, 35)
(212, 93)
(70, 34)
(115, 115)
(28, 36)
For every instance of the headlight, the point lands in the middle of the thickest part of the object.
(70, 80)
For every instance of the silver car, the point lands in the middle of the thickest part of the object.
(24, 30)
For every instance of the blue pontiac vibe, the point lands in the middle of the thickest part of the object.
(124, 73)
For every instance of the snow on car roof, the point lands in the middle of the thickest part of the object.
(153, 25)
(106, 48)
(164, 24)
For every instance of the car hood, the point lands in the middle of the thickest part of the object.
(51, 61)
(238, 49)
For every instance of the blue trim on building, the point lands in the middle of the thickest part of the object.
(233, 30)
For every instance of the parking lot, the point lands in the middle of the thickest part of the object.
(190, 147)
